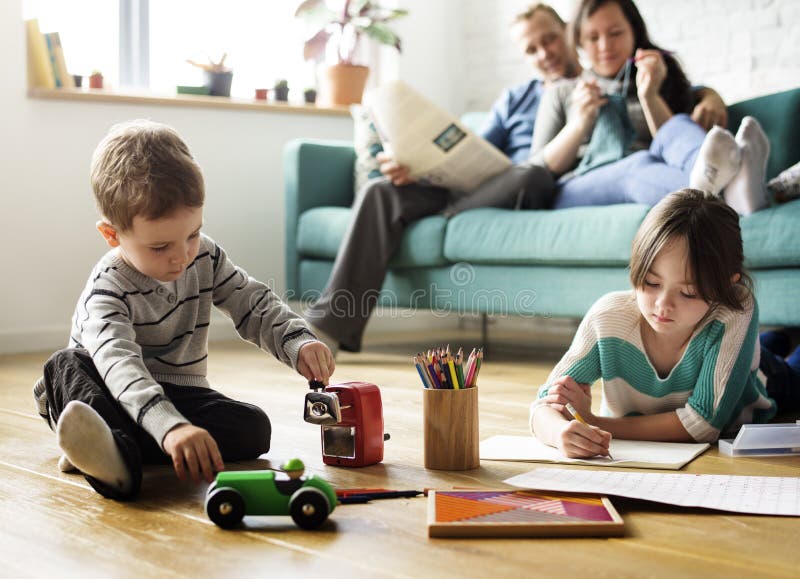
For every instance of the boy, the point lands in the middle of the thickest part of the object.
(131, 388)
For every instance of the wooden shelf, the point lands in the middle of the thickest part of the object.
(107, 96)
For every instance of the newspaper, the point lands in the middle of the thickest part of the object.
(432, 143)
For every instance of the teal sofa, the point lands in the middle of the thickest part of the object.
(528, 263)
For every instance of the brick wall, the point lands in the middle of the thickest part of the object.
(742, 48)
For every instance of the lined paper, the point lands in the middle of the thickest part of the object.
(761, 495)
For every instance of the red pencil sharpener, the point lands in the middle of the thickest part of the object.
(351, 418)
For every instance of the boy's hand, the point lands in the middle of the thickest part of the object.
(193, 449)
(565, 390)
(579, 440)
(315, 362)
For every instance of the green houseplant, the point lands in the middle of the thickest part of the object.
(281, 90)
(343, 82)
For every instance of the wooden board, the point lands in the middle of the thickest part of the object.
(522, 513)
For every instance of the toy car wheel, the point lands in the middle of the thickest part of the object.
(225, 507)
(309, 508)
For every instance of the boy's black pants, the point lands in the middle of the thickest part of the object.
(242, 431)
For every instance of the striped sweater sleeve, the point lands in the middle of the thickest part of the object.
(581, 362)
(107, 333)
(729, 360)
(259, 315)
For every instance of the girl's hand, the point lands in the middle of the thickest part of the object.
(586, 102)
(389, 167)
(578, 440)
(315, 362)
(565, 391)
(651, 70)
(194, 450)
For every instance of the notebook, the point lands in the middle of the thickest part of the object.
(626, 453)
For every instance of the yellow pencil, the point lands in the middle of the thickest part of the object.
(452, 368)
(580, 419)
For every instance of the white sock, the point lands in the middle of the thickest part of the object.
(717, 162)
(747, 191)
(88, 444)
(64, 465)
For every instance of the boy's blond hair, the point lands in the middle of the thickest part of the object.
(144, 168)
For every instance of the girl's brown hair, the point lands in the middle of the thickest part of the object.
(144, 168)
(713, 238)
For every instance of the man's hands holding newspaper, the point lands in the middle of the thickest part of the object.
(396, 173)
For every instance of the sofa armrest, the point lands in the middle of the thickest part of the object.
(316, 173)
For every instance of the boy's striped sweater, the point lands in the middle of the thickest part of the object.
(714, 388)
(139, 333)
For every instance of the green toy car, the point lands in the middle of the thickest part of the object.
(309, 500)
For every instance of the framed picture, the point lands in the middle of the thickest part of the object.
(520, 513)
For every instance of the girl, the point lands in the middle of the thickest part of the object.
(678, 355)
(632, 147)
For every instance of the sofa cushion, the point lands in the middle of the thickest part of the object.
(772, 237)
(596, 236)
(321, 230)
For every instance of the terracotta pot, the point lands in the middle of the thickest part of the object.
(96, 81)
(343, 84)
(261, 94)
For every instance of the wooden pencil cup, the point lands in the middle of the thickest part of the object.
(451, 429)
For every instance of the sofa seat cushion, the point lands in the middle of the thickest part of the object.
(596, 236)
(320, 232)
(772, 237)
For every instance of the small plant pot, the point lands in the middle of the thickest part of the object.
(343, 84)
(261, 94)
(310, 96)
(78, 80)
(96, 81)
(281, 93)
(219, 83)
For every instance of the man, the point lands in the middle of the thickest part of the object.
(385, 207)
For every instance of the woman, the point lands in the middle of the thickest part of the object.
(632, 147)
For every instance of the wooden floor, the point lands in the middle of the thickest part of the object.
(54, 525)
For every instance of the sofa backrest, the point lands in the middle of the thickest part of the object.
(779, 115)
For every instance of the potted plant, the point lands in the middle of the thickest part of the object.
(310, 95)
(343, 82)
(96, 79)
(218, 77)
(281, 90)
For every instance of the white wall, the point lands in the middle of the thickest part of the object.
(742, 48)
(456, 52)
(48, 215)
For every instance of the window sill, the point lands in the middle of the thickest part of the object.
(185, 101)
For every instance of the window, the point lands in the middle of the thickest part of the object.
(146, 42)
(88, 30)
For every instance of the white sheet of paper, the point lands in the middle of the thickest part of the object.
(761, 495)
(626, 453)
